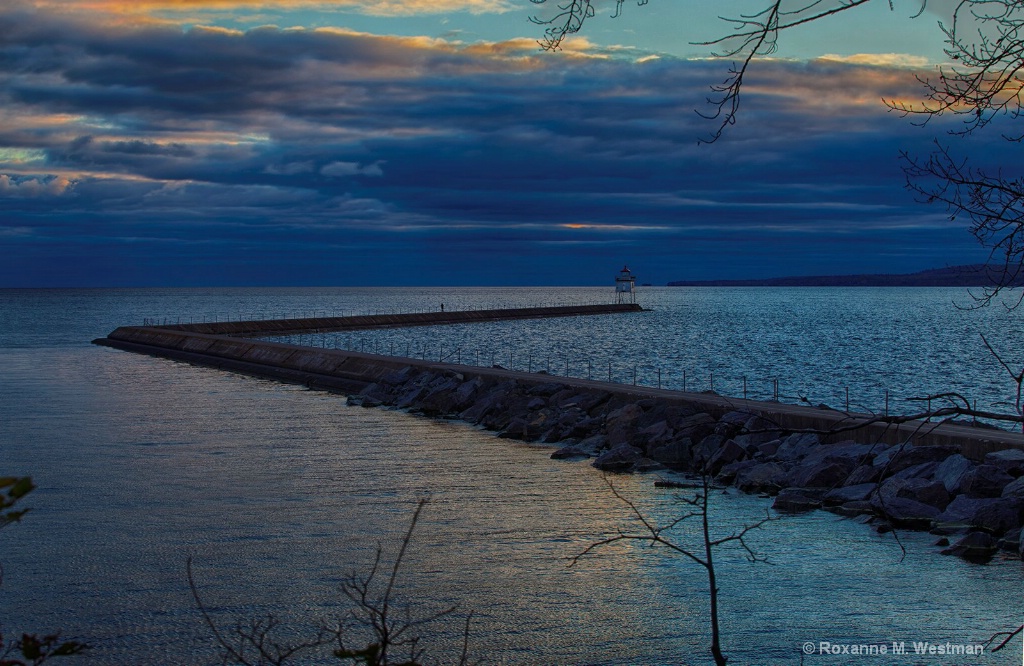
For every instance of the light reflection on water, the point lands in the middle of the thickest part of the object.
(278, 492)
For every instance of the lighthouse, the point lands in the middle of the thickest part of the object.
(625, 286)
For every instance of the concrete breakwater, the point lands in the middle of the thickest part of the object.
(908, 484)
(948, 478)
(268, 327)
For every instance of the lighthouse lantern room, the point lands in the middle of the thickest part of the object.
(625, 286)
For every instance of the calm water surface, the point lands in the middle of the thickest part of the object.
(278, 492)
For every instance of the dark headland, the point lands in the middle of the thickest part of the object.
(974, 275)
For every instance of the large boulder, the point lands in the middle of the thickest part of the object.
(1011, 541)
(621, 458)
(1010, 461)
(820, 475)
(674, 454)
(847, 454)
(796, 500)
(728, 472)
(586, 401)
(951, 472)
(1014, 489)
(994, 515)
(593, 444)
(974, 547)
(762, 478)
(905, 512)
(797, 446)
(729, 452)
(985, 481)
(620, 425)
(857, 493)
(695, 426)
(925, 470)
(901, 456)
(570, 452)
(705, 450)
(863, 474)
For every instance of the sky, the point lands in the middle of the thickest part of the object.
(432, 142)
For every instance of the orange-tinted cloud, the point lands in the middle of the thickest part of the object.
(372, 7)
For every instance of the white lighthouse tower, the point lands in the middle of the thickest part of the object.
(625, 286)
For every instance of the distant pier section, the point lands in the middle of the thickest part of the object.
(271, 327)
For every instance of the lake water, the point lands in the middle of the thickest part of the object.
(277, 492)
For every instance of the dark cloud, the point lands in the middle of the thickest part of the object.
(161, 156)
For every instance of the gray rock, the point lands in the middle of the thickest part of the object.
(621, 425)
(648, 465)
(594, 444)
(795, 500)
(863, 474)
(728, 472)
(848, 454)
(1010, 541)
(764, 477)
(974, 547)
(985, 481)
(728, 452)
(621, 458)
(536, 403)
(768, 449)
(657, 432)
(1010, 461)
(585, 401)
(901, 456)
(922, 471)
(695, 426)
(994, 515)
(820, 475)
(752, 440)
(399, 376)
(466, 394)
(674, 454)
(905, 512)
(1014, 489)
(855, 508)
(411, 397)
(857, 493)
(932, 493)
(797, 446)
(706, 449)
(571, 452)
(951, 472)
(1001, 516)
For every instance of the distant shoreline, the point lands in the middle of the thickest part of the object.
(975, 275)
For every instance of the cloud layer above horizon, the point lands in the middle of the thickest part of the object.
(136, 153)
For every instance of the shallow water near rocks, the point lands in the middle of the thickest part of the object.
(277, 493)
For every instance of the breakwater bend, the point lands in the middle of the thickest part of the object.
(946, 477)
